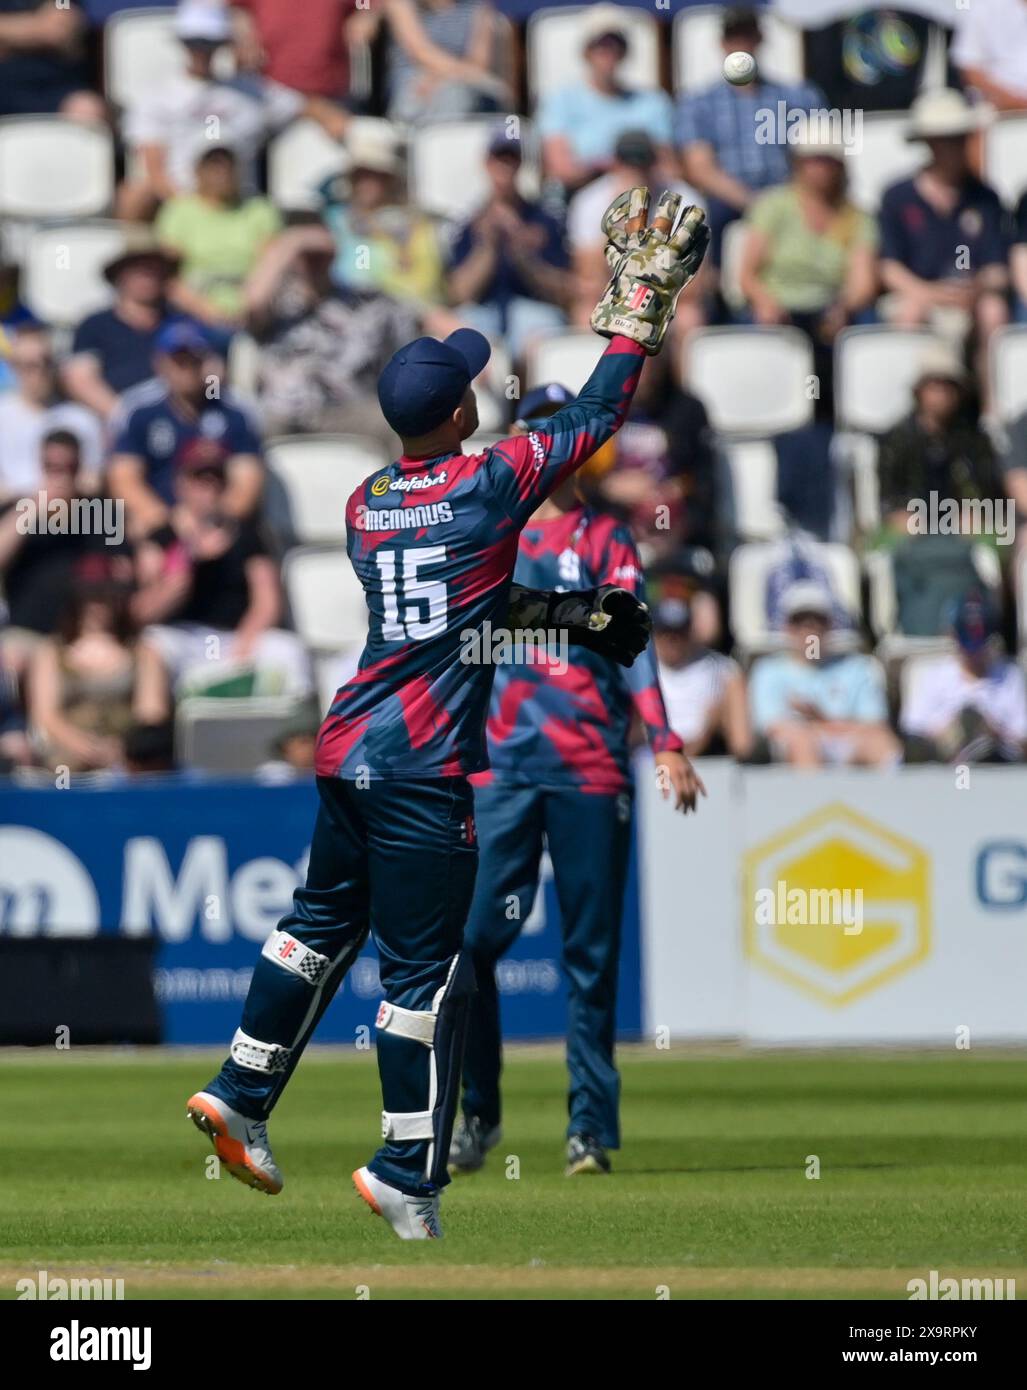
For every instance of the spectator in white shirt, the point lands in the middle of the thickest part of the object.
(970, 706)
(169, 129)
(34, 409)
(990, 51)
(704, 691)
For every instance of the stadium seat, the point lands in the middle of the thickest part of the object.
(140, 54)
(1005, 157)
(875, 368)
(568, 358)
(885, 157)
(325, 597)
(915, 668)
(554, 46)
(731, 247)
(224, 735)
(446, 165)
(299, 159)
(753, 381)
(1007, 365)
(63, 272)
(318, 473)
(748, 573)
(698, 54)
(752, 466)
(54, 167)
(883, 611)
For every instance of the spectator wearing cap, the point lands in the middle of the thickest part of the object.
(937, 448)
(634, 162)
(321, 346)
(440, 60)
(312, 57)
(990, 52)
(815, 708)
(703, 690)
(717, 128)
(970, 705)
(382, 242)
(170, 128)
(112, 350)
(32, 410)
(944, 238)
(580, 124)
(508, 268)
(209, 587)
(96, 680)
(217, 236)
(43, 64)
(159, 420)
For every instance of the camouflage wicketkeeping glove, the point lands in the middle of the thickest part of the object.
(651, 265)
(609, 620)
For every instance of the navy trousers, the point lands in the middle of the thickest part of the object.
(395, 858)
(589, 839)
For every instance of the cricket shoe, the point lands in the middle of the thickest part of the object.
(585, 1155)
(471, 1142)
(412, 1218)
(242, 1145)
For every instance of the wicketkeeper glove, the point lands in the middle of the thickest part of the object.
(609, 620)
(651, 265)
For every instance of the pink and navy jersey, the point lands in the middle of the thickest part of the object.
(556, 725)
(433, 542)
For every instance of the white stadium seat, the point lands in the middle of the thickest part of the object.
(140, 53)
(327, 602)
(752, 381)
(554, 43)
(875, 368)
(1007, 364)
(299, 159)
(54, 167)
(446, 165)
(1005, 157)
(318, 473)
(732, 246)
(698, 53)
(568, 358)
(752, 466)
(63, 272)
(749, 570)
(224, 735)
(884, 157)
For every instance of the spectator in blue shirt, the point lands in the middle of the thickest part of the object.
(816, 709)
(509, 267)
(944, 238)
(163, 417)
(717, 132)
(580, 124)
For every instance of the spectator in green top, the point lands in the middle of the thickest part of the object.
(219, 236)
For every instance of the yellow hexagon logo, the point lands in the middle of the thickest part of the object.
(833, 858)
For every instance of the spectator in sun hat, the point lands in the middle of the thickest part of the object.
(159, 420)
(703, 690)
(170, 127)
(508, 267)
(970, 705)
(112, 350)
(816, 707)
(716, 130)
(580, 123)
(944, 233)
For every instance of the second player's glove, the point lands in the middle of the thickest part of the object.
(609, 620)
(651, 265)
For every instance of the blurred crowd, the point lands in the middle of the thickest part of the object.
(139, 405)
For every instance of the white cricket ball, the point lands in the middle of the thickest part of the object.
(739, 68)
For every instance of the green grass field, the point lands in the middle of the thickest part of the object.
(921, 1167)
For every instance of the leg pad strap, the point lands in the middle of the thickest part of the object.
(417, 1025)
(290, 954)
(415, 1124)
(258, 1056)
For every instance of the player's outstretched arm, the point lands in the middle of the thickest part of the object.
(608, 620)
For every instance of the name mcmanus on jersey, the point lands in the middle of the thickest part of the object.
(403, 518)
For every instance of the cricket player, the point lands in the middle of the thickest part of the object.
(560, 778)
(433, 539)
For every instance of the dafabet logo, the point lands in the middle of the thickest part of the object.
(837, 851)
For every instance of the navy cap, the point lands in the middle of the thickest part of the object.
(544, 400)
(182, 336)
(424, 382)
(974, 622)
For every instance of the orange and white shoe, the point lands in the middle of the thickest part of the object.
(242, 1145)
(412, 1218)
